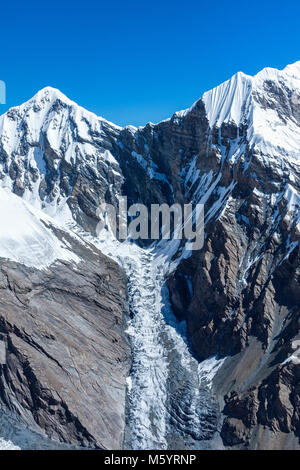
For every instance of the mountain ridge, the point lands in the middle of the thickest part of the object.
(266, 71)
(237, 152)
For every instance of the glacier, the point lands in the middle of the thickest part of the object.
(160, 413)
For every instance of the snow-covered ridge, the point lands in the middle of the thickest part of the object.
(66, 125)
(268, 104)
(44, 99)
(40, 135)
(73, 135)
(228, 102)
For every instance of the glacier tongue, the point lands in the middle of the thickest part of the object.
(170, 403)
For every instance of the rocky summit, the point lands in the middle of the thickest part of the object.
(109, 344)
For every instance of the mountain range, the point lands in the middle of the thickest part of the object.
(112, 344)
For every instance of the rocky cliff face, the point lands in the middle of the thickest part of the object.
(246, 279)
(237, 152)
(65, 357)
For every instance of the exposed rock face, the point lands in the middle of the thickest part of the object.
(237, 152)
(245, 284)
(272, 404)
(66, 356)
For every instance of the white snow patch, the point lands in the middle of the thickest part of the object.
(7, 445)
(26, 236)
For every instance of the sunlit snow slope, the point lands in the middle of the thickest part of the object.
(27, 236)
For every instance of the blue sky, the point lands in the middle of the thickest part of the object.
(134, 62)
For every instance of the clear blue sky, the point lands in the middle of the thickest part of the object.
(136, 61)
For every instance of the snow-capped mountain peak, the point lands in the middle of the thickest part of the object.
(42, 142)
(49, 144)
(268, 104)
(227, 102)
(48, 114)
(49, 95)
